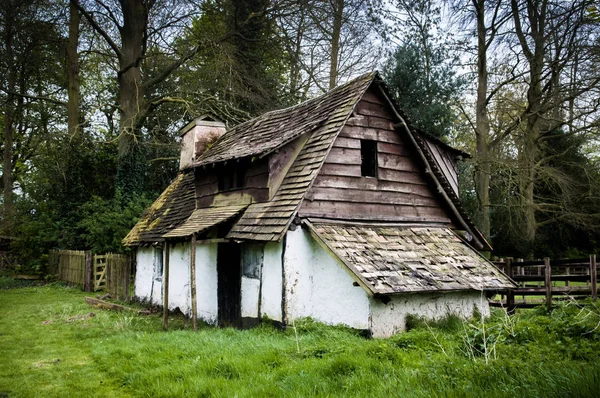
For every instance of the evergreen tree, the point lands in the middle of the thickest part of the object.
(425, 86)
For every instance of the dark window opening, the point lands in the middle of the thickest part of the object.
(158, 263)
(231, 179)
(368, 158)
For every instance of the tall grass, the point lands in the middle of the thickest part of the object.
(50, 345)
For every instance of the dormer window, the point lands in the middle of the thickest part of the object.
(368, 158)
(231, 178)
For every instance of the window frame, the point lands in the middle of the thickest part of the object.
(158, 262)
(368, 158)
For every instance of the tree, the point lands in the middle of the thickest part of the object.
(128, 31)
(486, 19)
(426, 90)
(550, 38)
(329, 41)
(29, 71)
(421, 74)
(244, 75)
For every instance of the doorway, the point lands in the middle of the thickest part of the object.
(229, 287)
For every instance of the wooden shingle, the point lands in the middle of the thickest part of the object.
(169, 211)
(203, 219)
(409, 259)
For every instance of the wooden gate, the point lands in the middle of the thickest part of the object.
(112, 273)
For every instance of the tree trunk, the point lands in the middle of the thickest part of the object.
(335, 42)
(482, 124)
(9, 116)
(131, 95)
(73, 110)
(528, 153)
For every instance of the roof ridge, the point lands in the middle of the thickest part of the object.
(263, 141)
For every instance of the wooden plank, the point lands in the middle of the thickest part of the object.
(89, 274)
(401, 176)
(105, 305)
(535, 291)
(415, 185)
(359, 133)
(446, 167)
(510, 295)
(367, 211)
(395, 162)
(346, 142)
(368, 133)
(344, 156)
(548, 282)
(542, 278)
(594, 276)
(165, 314)
(193, 282)
(372, 97)
(393, 148)
(366, 108)
(358, 120)
(380, 123)
(371, 196)
(330, 169)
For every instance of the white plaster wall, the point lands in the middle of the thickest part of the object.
(318, 286)
(250, 292)
(388, 319)
(272, 281)
(206, 282)
(144, 273)
(179, 278)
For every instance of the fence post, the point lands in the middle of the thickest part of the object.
(510, 295)
(88, 271)
(593, 276)
(193, 282)
(128, 261)
(165, 281)
(548, 282)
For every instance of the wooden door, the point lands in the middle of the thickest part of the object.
(229, 288)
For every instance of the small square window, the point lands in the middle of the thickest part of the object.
(231, 178)
(368, 158)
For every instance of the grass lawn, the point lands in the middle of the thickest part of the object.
(53, 344)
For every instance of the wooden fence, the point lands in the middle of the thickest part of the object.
(541, 281)
(109, 272)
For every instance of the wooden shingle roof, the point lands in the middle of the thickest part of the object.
(272, 130)
(203, 219)
(169, 211)
(393, 259)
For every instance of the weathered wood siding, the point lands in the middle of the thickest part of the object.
(446, 161)
(256, 187)
(401, 192)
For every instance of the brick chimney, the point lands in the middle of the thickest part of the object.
(196, 136)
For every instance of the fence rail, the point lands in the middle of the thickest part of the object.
(558, 279)
(109, 272)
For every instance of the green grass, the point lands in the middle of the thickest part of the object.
(52, 345)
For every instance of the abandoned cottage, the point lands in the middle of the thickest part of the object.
(335, 209)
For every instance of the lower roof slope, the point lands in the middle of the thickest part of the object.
(169, 211)
(203, 219)
(392, 259)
